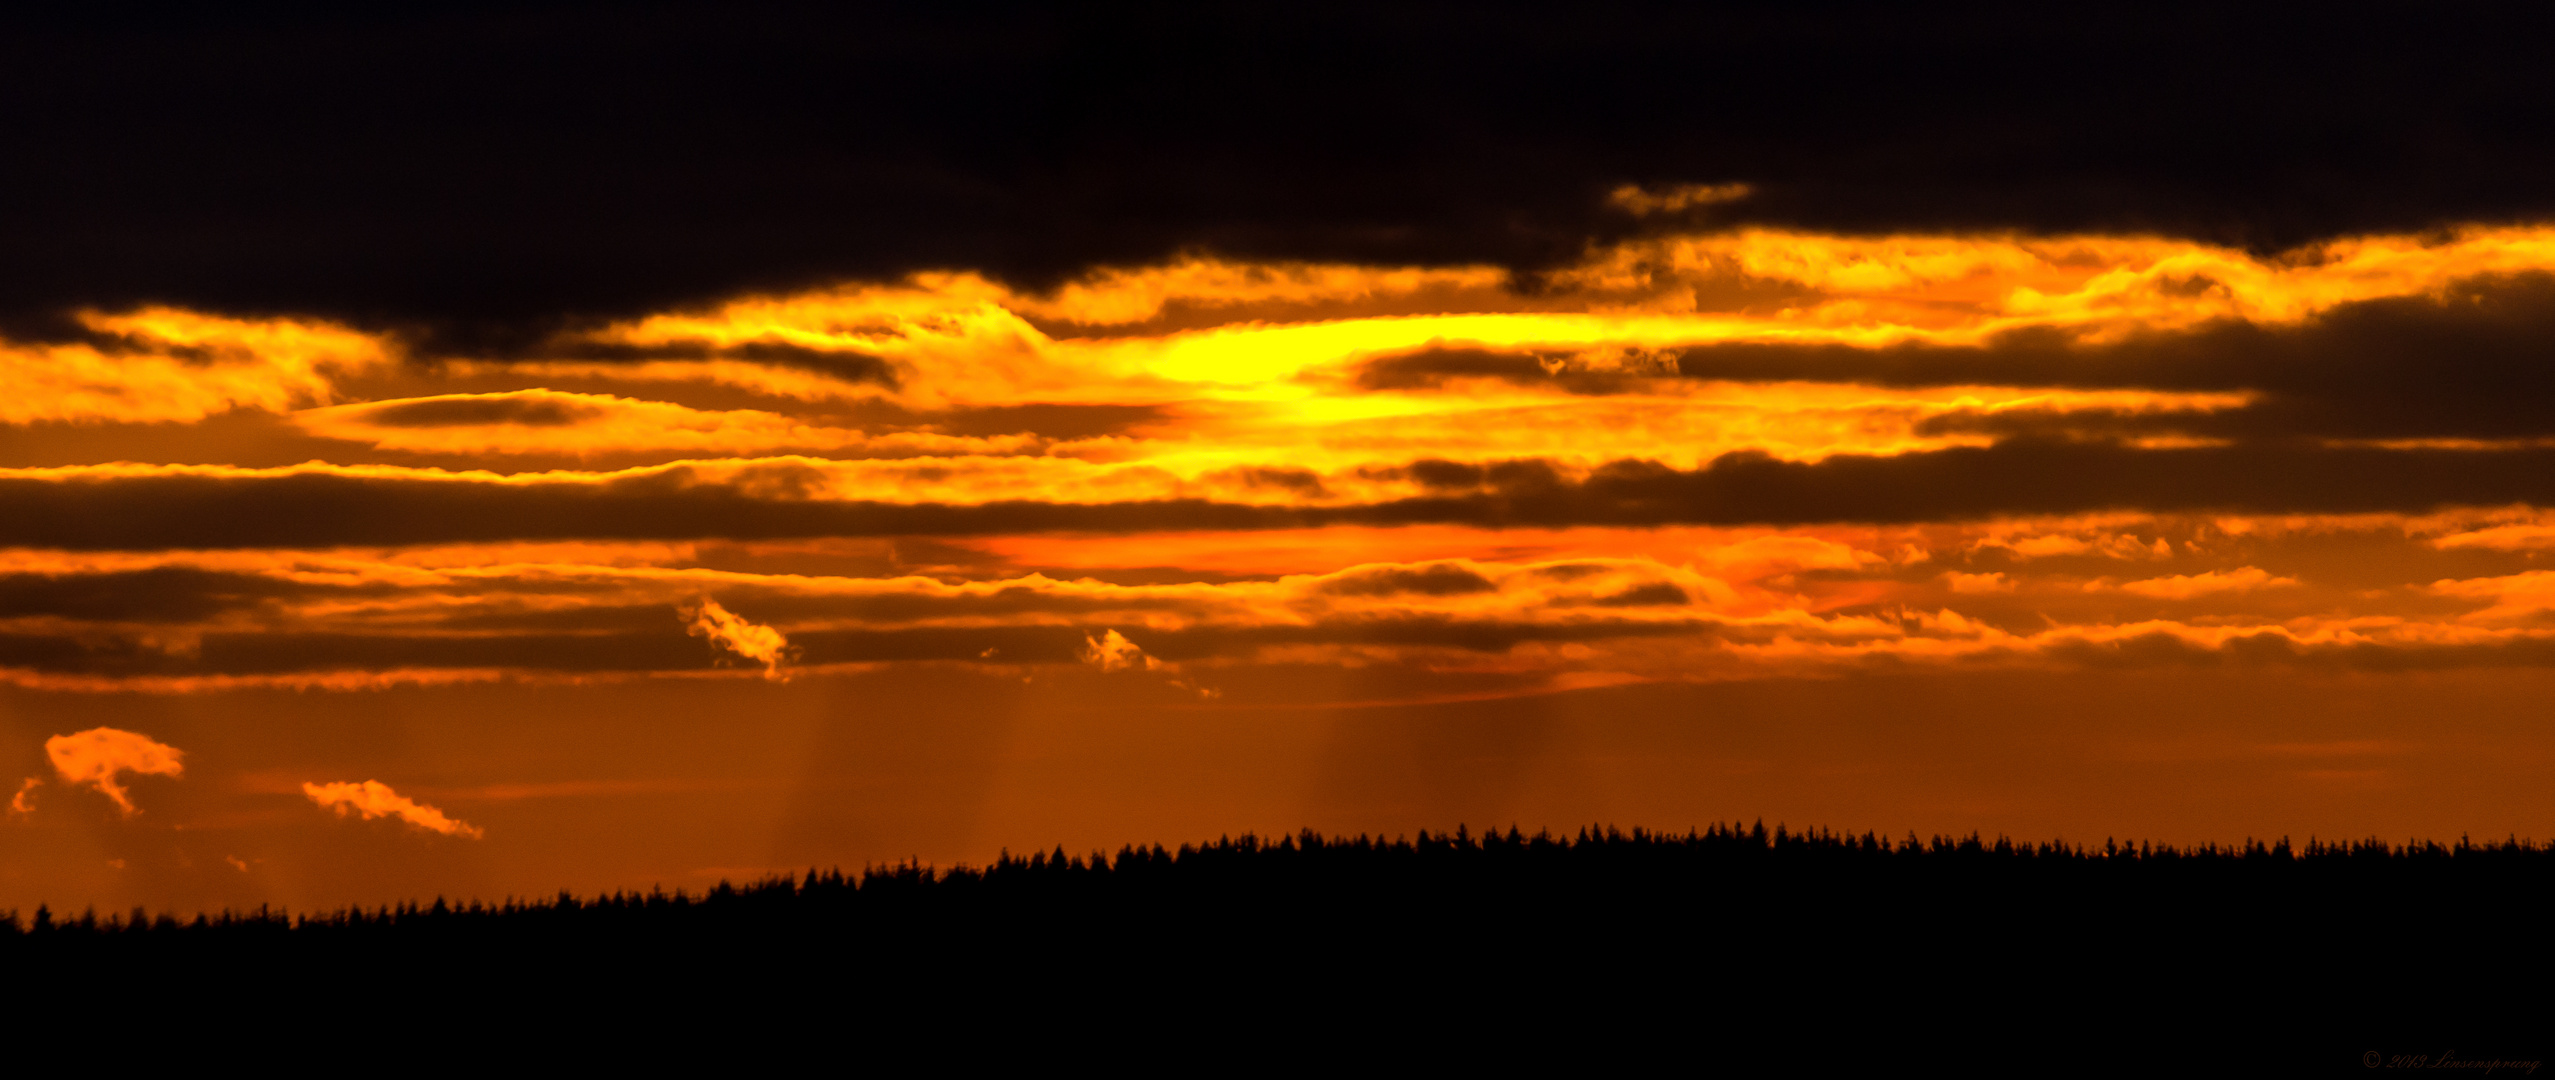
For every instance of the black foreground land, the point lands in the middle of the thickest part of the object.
(1734, 943)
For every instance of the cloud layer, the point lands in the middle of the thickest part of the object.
(1683, 455)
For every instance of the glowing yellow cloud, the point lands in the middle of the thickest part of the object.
(180, 366)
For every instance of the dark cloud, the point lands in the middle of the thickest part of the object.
(2014, 477)
(635, 650)
(1008, 644)
(278, 653)
(324, 510)
(482, 172)
(1052, 421)
(1655, 594)
(846, 364)
(55, 653)
(1442, 580)
(463, 412)
(1476, 635)
(2472, 363)
(1433, 368)
(1302, 482)
(2475, 361)
(2017, 476)
(2165, 650)
(903, 606)
(164, 594)
(1514, 475)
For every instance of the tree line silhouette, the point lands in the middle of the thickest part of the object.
(1736, 928)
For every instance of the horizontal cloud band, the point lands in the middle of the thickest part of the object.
(1695, 650)
(308, 510)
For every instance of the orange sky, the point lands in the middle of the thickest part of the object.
(2056, 536)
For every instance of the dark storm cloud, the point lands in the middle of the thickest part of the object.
(492, 173)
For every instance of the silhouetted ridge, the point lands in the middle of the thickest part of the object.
(1249, 870)
(1770, 937)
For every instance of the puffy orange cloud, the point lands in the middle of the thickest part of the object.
(23, 802)
(1113, 652)
(761, 644)
(99, 755)
(374, 799)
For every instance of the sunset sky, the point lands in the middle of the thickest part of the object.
(482, 451)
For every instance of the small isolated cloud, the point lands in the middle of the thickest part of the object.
(97, 755)
(761, 644)
(2526, 537)
(1977, 583)
(2187, 586)
(374, 799)
(24, 801)
(1114, 652)
(1642, 201)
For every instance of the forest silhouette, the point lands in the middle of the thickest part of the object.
(1856, 943)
